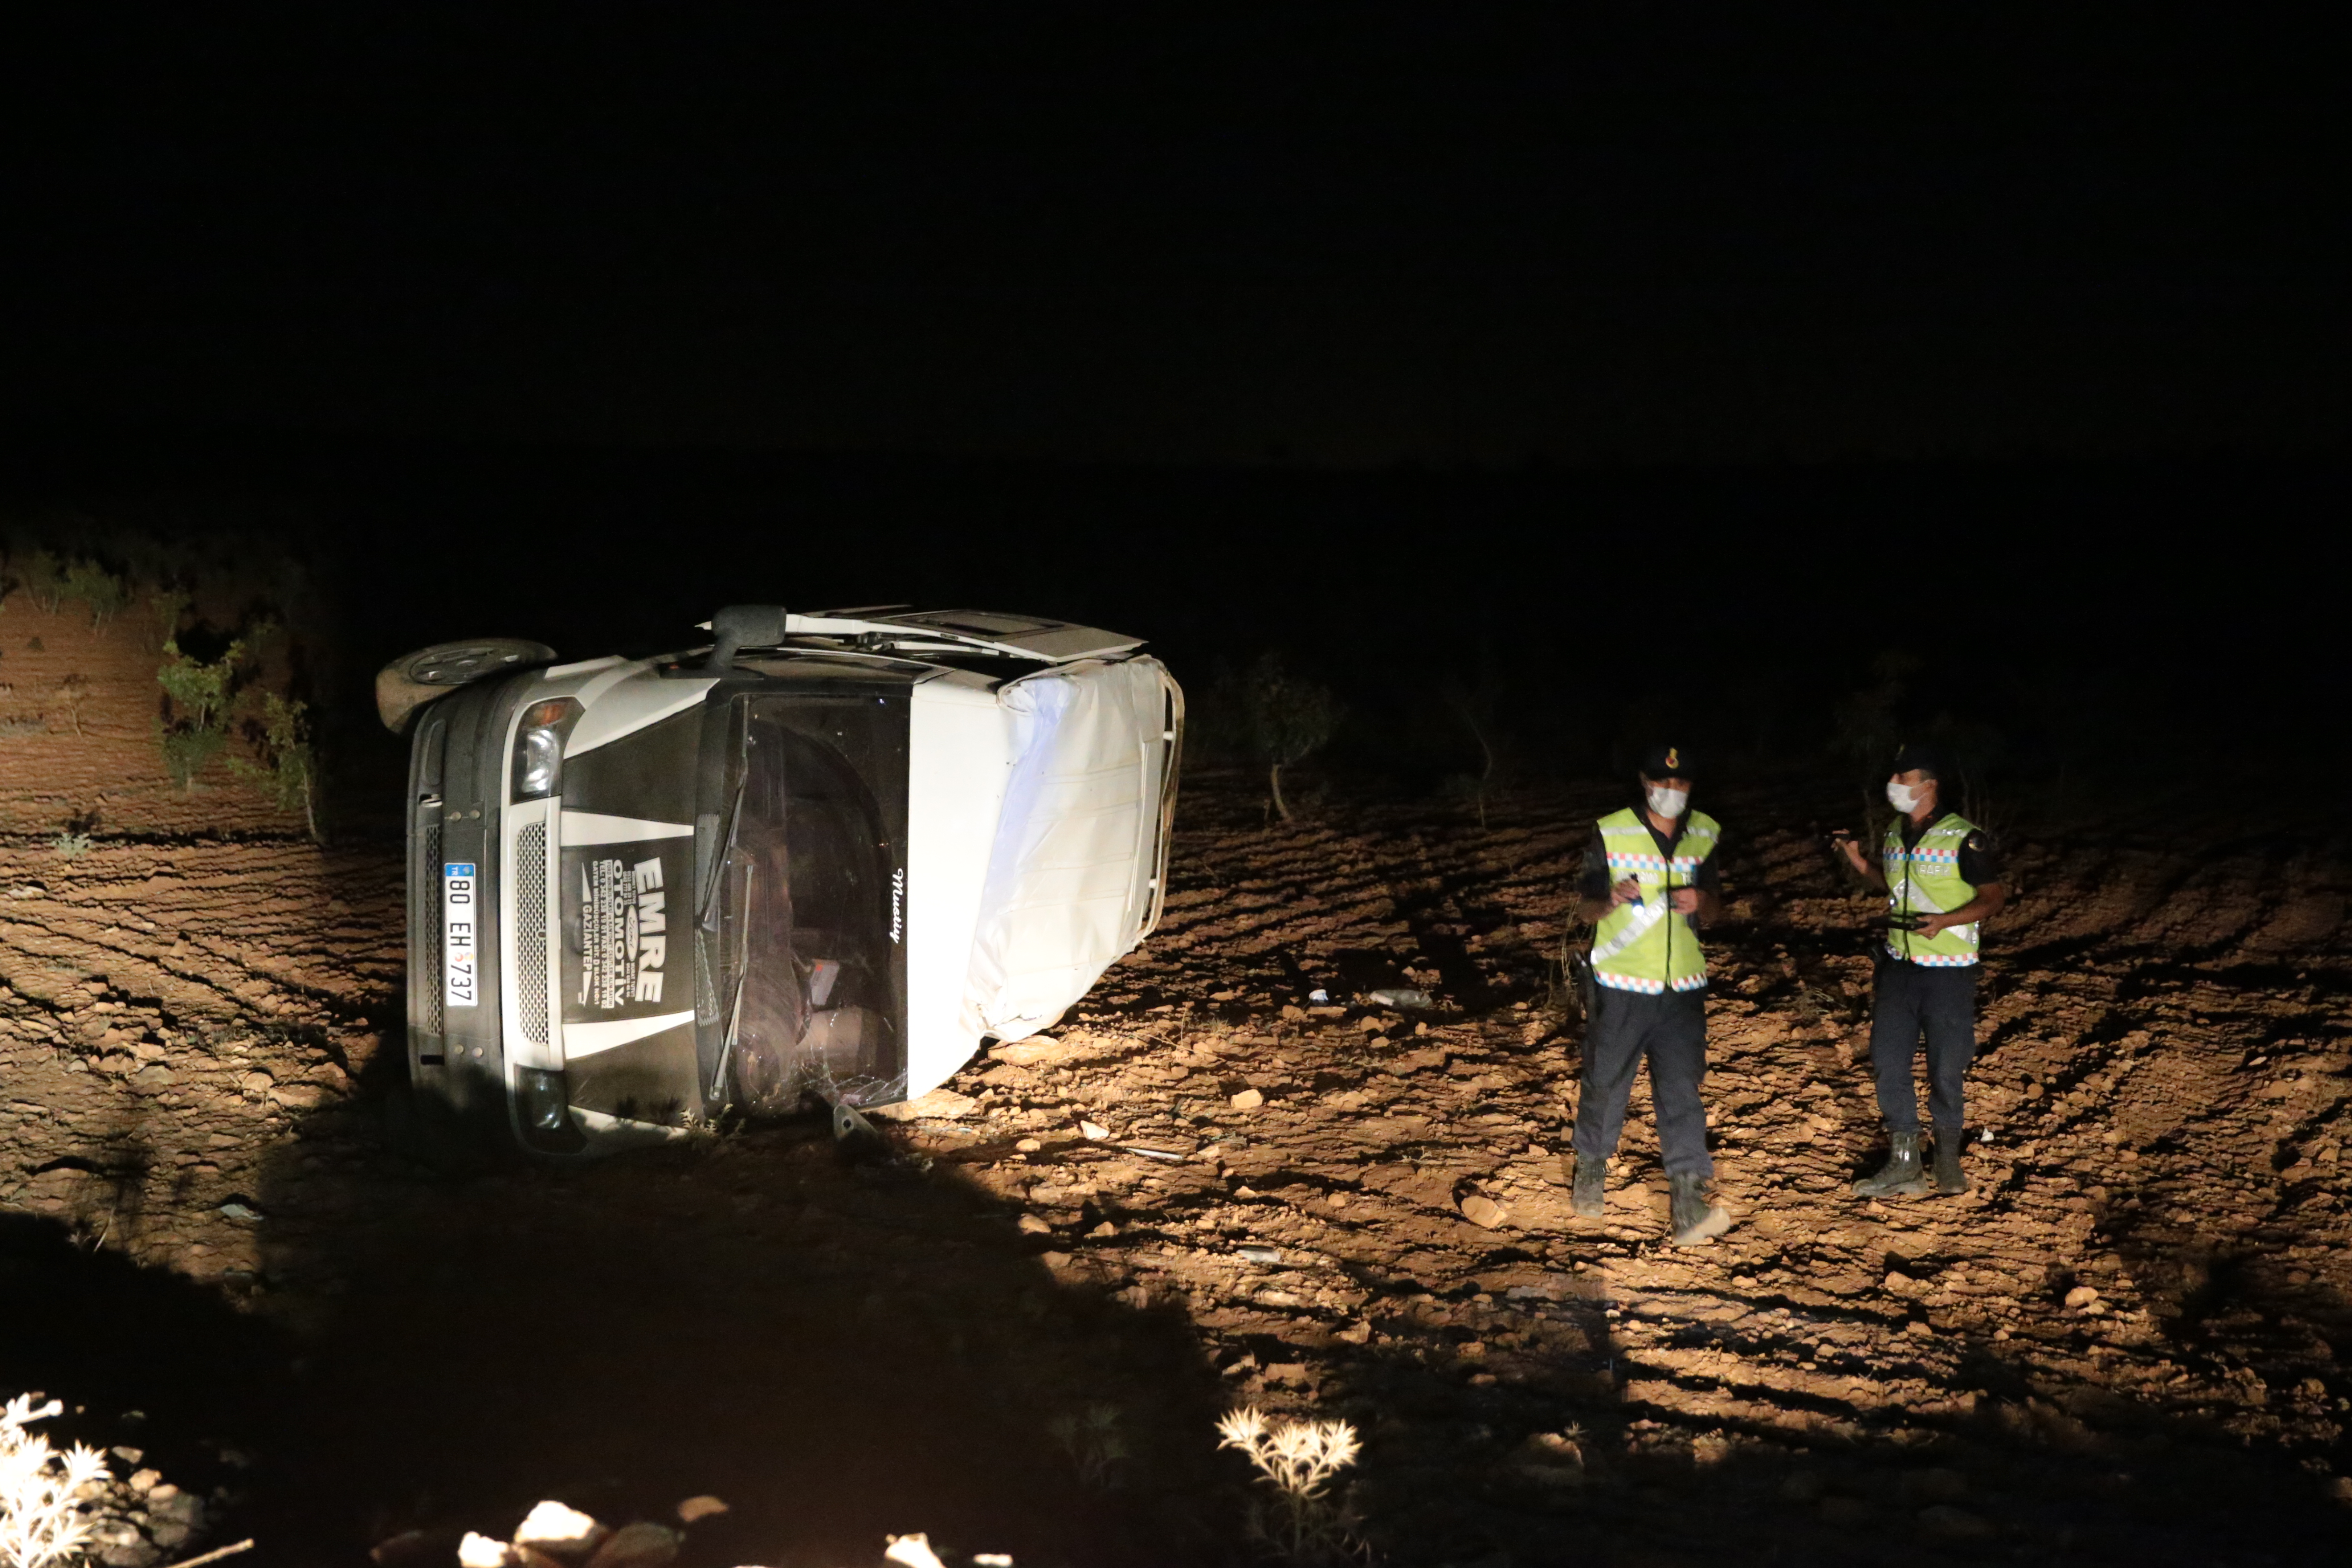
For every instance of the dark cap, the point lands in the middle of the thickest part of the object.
(1668, 762)
(1925, 758)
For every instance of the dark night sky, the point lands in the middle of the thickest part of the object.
(1347, 236)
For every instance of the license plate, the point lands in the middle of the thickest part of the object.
(461, 892)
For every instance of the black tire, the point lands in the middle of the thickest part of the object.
(412, 679)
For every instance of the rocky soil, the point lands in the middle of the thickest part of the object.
(1015, 1325)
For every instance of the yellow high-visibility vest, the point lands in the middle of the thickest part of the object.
(1647, 947)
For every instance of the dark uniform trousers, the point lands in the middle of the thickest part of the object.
(1671, 1030)
(1910, 1000)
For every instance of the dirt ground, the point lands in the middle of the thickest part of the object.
(1018, 1336)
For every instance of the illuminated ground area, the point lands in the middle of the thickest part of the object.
(846, 1348)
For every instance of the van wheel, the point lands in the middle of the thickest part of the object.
(412, 679)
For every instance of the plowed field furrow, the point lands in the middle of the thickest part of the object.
(2134, 1315)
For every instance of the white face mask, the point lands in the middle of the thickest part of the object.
(1667, 803)
(1901, 797)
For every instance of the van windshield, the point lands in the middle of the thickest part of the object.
(809, 987)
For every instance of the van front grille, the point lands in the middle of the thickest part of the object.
(531, 931)
(427, 957)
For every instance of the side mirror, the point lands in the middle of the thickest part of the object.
(741, 626)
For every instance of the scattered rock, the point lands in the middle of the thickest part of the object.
(912, 1552)
(480, 1551)
(256, 1083)
(940, 1105)
(1247, 1099)
(699, 1507)
(408, 1546)
(1481, 1210)
(2081, 1296)
(643, 1544)
(1033, 1225)
(1955, 1523)
(1936, 1485)
(1031, 1052)
(1093, 1130)
(1551, 1459)
(559, 1529)
(1029, 1145)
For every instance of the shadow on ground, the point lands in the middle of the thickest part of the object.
(839, 1349)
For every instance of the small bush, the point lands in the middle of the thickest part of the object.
(95, 586)
(1094, 1443)
(41, 574)
(289, 767)
(170, 606)
(194, 724)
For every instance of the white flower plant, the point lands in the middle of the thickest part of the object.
(1305, 1521)
(42, 1524)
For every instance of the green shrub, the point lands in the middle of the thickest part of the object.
(194, 726)
(288, 766)
(170, 606)
(94, 585)
(41, 574)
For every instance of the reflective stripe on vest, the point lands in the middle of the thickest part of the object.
(1924, 879)
(1637, 947)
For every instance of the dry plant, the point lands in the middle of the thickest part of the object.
(1288, 719)
(41, 1521)
(1094, 1443)
(1303, 1522)
(73, 690)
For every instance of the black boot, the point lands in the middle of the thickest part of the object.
(1948, 1179)
(1695, 1220)
(1901, 1176)
(1589, 1186)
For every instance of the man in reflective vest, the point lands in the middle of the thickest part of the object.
(1941, 876)
(1649, 878)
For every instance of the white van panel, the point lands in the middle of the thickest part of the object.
(957, 756)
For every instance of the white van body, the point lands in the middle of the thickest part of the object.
(1039, 793)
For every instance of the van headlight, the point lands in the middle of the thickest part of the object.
(538, 747)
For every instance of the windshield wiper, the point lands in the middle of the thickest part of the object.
(724, 853)
(742, 972)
